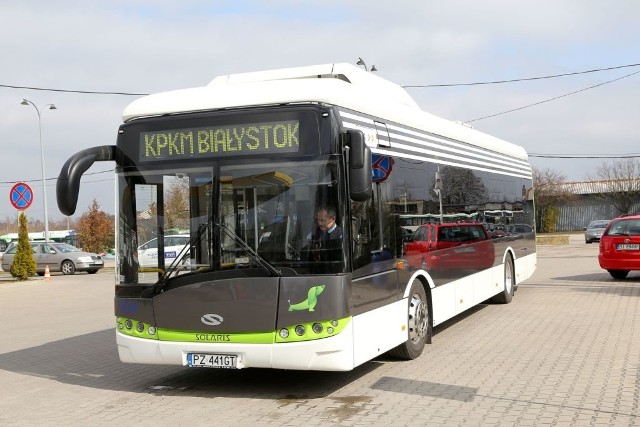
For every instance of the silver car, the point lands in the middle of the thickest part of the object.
(593, 231)
(60, 257)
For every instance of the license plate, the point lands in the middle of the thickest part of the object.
(223, 361)
(628, 247)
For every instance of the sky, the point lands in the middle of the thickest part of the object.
(155, 46)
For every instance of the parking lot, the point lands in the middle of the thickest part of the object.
(565, 352)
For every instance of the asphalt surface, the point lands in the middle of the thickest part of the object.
(565, 352)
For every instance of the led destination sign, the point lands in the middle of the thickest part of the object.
(215, 141)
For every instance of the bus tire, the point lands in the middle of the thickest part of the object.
(418, 326)
(506, 295)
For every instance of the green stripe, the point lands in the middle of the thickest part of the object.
(201, 337)
(329, 328)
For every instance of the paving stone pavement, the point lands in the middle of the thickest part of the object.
(565, 352)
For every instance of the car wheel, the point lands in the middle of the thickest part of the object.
(67, 267)
(419, 324)
(618, 274)
(506, 295)
(92, 271)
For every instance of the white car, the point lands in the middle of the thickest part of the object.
(173, 246)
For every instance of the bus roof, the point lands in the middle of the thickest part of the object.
(340, 84)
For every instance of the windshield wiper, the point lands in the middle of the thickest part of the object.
(173, 267)
(260, 260)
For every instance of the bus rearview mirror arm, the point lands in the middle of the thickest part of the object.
(68, 184)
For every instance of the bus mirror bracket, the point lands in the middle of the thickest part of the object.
(360, 182)
(68, 183)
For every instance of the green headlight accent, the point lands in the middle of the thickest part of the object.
(329, 328)
(310, 335)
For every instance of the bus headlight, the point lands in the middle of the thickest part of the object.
(317, 328)
(300, 330)
(284, 333)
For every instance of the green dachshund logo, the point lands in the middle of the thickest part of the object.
(310, 302)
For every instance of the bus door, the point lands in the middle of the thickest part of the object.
(375, 279)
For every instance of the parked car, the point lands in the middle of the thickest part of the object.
(3, 247)
(496, 230)
(450, 246)
(593, 231)
(620, 246)
(60, 257)
(173, 245)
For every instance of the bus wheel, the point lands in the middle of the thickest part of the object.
(419, 324)
(506, 295)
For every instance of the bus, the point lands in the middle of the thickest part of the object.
(248, 165)
(60, 236)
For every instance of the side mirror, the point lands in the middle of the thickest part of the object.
(68, 183)
(360, 182)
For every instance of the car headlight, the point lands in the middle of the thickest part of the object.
(84, 259)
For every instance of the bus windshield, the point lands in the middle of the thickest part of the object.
(229, 217)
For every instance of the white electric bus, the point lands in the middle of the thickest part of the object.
(245, 164)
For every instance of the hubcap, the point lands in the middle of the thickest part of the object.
(418, 318)
(508, 277)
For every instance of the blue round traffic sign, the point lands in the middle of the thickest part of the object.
(381, 167)
(21, 196)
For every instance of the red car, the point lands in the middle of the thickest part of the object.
(620, 246)
(450, 246)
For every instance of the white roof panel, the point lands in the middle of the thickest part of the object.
(344, 85)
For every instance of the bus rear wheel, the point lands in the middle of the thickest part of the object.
(506, 295)
(419, 324)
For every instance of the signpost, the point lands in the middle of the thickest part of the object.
(21, 196)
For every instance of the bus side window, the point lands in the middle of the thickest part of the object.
(364, 232)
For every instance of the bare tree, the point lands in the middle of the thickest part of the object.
(619, 183)
(549, 193)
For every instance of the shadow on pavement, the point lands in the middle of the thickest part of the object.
(91, 360)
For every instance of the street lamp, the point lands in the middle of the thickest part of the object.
(361, 62)
(44, 185)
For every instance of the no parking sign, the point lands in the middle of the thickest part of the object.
(21, 196)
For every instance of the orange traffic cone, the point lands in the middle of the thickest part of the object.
(47, 275)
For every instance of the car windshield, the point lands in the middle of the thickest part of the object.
(598, 224)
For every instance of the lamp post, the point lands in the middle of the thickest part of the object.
(44, 185)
